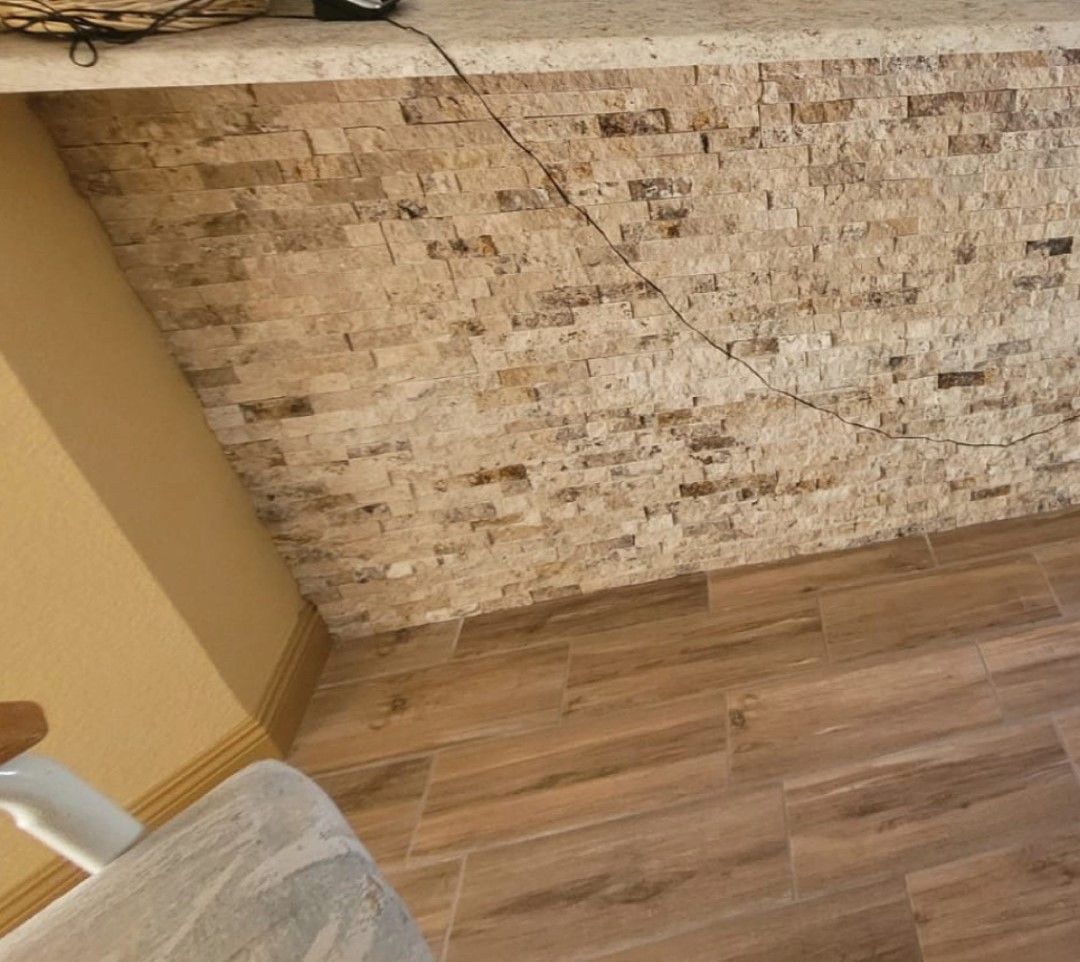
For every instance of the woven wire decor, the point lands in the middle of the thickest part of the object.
(119, 21)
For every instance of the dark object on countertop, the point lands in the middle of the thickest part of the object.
(353, 9)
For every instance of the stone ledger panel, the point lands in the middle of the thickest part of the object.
(446, 392)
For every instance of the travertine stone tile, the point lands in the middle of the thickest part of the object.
(430, 893)
(565, 618)
(862, 925)
(978, 541)
(406, 649)
(1036, 671)
(1021, 902)
(381, 803)
(644, 663)
(584, 770)
(960, 601)
(578, 894)
(416, 711)
(927, 805)
(804, 725)
(449, 396)
(779, 583)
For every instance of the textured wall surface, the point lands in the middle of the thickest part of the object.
(447, 394)
(95, 626)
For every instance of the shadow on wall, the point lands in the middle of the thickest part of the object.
(94, 364)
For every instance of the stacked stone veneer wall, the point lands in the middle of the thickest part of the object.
(447, 395)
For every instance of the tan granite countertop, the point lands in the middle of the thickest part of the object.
(528, 35)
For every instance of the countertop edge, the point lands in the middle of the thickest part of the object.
(271, 50)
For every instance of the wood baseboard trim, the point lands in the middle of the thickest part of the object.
(297, 672)
(244, 745)
(268, 735)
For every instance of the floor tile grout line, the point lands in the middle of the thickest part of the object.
(457, 638)
(914, 914)
(452, 918)
(422, 805)
(564, 694)
(790, 840)
(1049, 582)
(990, 681)
(729, 774)
(1055, 721)
(930, 548)
(829, 660)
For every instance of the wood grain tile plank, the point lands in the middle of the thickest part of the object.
(381, 803)
(1036, 671)
(802, 725)
(585, 770)
(778, 583)
(680, 656)
(566, 618)
(866, 822)
(998, 537)
(593, 890)
(390, 653)
(863, 925)
(418, 711)
(429, 892)
(937, 607)
(1021, 902)
(1061, 562)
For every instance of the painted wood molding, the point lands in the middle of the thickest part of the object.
(268, 735)
(290, 688)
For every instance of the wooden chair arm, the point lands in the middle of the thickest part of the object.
(22, 726)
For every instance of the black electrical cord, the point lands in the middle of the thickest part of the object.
(652, 285)
(85, 32)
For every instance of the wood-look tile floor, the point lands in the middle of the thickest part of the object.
(867, 756)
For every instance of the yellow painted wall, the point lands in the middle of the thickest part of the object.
(141, 602)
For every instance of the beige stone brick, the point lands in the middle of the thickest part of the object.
(459, 396)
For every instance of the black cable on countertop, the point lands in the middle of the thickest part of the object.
(583, 212)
